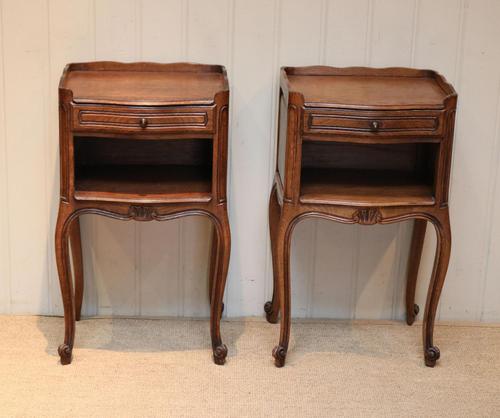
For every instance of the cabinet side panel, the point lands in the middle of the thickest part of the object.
(283, 117)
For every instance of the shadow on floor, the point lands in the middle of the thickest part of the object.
(139, 335)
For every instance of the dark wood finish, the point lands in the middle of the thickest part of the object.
(77, 260)
(145, 84)
(417, 244)
(370, 124)
(379, 188)
(363, 146)
(144, 183)
(142, 141)
(181, 119)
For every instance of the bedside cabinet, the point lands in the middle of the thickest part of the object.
(142, 142)
(363, 146)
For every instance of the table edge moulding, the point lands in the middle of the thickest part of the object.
(142, 105)
(362, 108)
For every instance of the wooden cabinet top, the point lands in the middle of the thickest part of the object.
(368, 88)
(144, 83)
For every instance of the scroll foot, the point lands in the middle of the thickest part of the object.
(220, 353)
(65, 353)
(271, 316)
(279, 354)
(432, 354)
(410, 319)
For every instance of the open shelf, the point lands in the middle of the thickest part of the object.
(137, 182)
(149, 171)
(368, 175)
(364, 188)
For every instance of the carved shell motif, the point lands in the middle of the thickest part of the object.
(142, 213)
(367, 216)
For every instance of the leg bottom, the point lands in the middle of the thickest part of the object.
(271, 314)
(220, 353)
(65, 353)
(410, 317)
(279, 354)
(431, 355)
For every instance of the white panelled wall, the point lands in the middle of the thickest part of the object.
(160, 269)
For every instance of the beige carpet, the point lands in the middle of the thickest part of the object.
(128, 367)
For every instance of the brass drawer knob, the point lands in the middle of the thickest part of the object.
(374, 125)
(143, 123)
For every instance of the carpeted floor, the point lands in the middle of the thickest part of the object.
(137, 367)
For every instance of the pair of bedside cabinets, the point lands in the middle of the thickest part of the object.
(146, 141)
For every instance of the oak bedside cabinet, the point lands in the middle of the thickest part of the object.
(144, 142)
(363, 146)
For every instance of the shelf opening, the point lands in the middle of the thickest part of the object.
(368, 174)
(121, 169)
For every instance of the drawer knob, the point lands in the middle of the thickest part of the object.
(143, 123)
(374, 125)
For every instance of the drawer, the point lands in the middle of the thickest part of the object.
(374, 123)
(153, 120)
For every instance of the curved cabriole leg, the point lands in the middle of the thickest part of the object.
(283, 242)
(63, 268)
(219, 283)
(213, 266)
(272, 307)
(76, 255)
(443, 231)
(417, 244)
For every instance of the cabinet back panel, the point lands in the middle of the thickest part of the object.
(99, 151)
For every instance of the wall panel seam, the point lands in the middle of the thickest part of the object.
(6, 168)
(93, 224)
(48, 130)
(323, 31)
(357, 233)
(312, 270)
(138, 30)
(95, 230)
(416, 12)
(180, 267)
(181, 221)
(355, 270)
(230, 71)
(459, 61)
(397, 277)
(94, 26)
(397, 272)
(369, 32)
(312, 267)
(273, 134)
(231, 121)
(137, 267)
(137, 228)
(185, 22)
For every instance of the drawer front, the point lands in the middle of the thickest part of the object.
(381, 123)
(153, 120)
